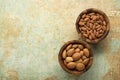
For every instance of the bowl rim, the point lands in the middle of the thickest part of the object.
(89, 10)
(60, 59)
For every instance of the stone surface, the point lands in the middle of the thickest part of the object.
(33, 31)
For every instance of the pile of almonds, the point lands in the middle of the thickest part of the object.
(77, 57)
(92, 25)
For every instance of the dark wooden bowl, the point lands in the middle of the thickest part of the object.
(61, 59)
(96, 11)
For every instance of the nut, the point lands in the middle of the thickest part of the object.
(76, 56)
(81, 53)
(77, 50)
(86, 52)
(80, 46)
(80, 66)
(69, 59)
(64, 54)
(79, 61)
(75, 46)
(69, 46)
(71, 65)
(81, 23)
(70, 52)
(85, 61)
(84, 57)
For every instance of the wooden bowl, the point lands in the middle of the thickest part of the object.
(94, 11)
(61, 60)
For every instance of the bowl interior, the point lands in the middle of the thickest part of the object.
(95, 11)
(61, 59)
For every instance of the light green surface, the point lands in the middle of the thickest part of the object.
(33, 31)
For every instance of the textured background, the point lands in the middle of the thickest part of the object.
(33, 31)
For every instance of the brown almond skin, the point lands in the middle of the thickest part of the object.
(69, 59)
(99, 35)
(76, 56)
(101, 31)
(75, 46)
(81, 23)
(86, 19)
(86, 52)
(90, 37)
(91, 25)
(80, 66)
(70, 52)
(99, 28)
(79, 61)
(101, 17)
(104, 23)
(80, 46)
(93, 35)
(69, 46)
(83, 28)
(85, 35)
(84, 57)
(64, 54)
(91, 14)
(77, 50)
(84, 15)
(85, 61)
(71, 65)
(81, 53)
(104, 28)
(94, 32)
(94, 17)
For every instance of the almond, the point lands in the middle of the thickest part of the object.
(83, 29)
(69, 46)
(99, 35)
(84, 57)
(85, 35)
(93, 35)
(81, 23)
(75, 46)
(91, 14)
(77, 50)
(94, 17)
(79, 61)
(81, 53)
(84, 15)
(76, 56)
(86, 52)
(70, 52)
(104, 28)
(71, 65)
(80, 46)
(85, 61)
(104, 23)
(86, 19)
(69, 59)
(64, 54)
(90, 37)
(80, 66)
